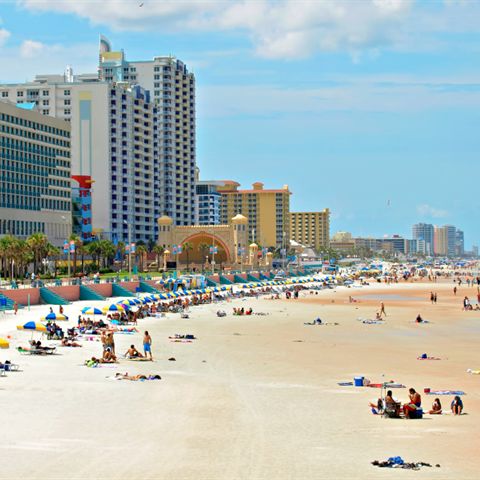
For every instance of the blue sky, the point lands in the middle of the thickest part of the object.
(370, 108)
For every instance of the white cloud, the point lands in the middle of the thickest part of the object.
(31, 49)
(44, 59)
(365, 94)
(428, 211)
(4, 34)
(285, 28)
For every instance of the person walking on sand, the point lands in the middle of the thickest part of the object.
(15, 307)
(435, 298)
(382, 309)
(432, 297)
(147, 345)
(455, 290)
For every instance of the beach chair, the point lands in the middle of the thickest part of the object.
(392, 410)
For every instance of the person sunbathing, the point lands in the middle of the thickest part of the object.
(134, 378)
(436, 407)
(132, 352)
(68, 343)
(457, 405)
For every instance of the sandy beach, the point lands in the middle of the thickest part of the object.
(253, 397)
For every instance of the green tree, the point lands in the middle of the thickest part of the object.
(158, 251)
(151, 244)
(107, 251)
(94, 250)
(203, 248)
(187, 248)
(121, 253)
(78, 243)
(38, 244)
(140, 253)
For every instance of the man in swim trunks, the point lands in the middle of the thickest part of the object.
(147, 345)
(132, 352)
(414, 403)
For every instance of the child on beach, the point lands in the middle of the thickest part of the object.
(436, 407)
(457, 405)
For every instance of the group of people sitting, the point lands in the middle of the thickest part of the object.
(390, 407)
(54, 332)
(242, 311)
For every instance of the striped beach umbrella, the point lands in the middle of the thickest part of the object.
(4, 343)
(39, 327)
(113, 308)
(54, 316)
(91, 311)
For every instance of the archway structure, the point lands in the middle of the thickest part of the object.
(230, 241)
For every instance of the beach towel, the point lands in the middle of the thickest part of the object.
(345, 384)
(387, 385)
(473, 372)
(446, 392)
(428, 358)
(139, 359)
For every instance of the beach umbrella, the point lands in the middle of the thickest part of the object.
(91, 311)
(39, 327)
(126, 307)
(127, 301)
(54, 316)
(113, 308)
(4, 343)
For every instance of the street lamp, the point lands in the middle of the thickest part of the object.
(68, 246)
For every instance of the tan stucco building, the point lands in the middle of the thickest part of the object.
(267, 211)
(311, 229)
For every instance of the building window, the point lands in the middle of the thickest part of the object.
(66, 102)
(4, 94)
(19, 94)
(45, 103)
(67, 111)
(66, 93)
(46, 112)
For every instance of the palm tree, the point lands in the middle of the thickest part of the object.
(121, 253)
(78, 243)
(5, 247)
(158, 251)
(38, 243)
(107, 249)
(203, 248)
(187, 248)
(93, 249)
(141, 251)
(53, 252)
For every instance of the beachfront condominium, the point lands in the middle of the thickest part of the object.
(444, 240)
(113, 136)
(311, 229)
(459, 243)
(172, 91)
(133, 134)
(35, 189)
(207, 202)
(424, 234)
(267, 210)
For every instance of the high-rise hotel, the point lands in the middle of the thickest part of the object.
(132, 132)
(172, 90)
(35, 192)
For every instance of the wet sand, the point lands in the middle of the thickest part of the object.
(253, 397)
